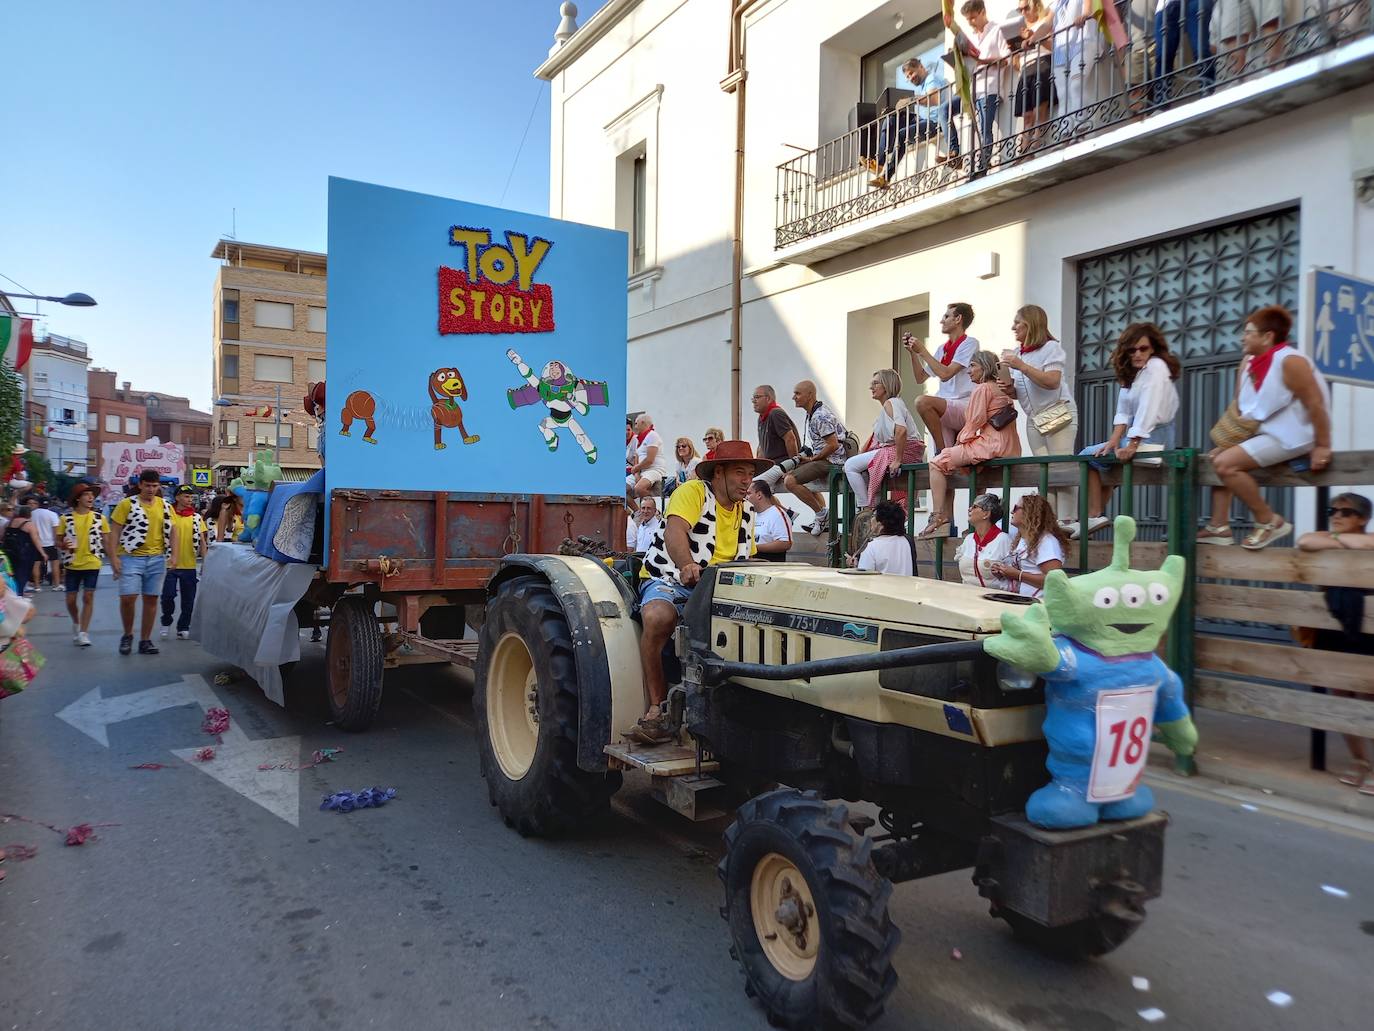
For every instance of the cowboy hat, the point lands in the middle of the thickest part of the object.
(19, 449)
(729, 452)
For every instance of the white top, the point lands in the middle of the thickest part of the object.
(688, 471)
(644, 533)
(885, 427)
(663, 462)
(1068, 38)
(1047, 357)
(1049, 550)
(992, 45)
(46, 520)
(960, 385)
(890, 553)
(1151, 401)
(771, 525)
(1281, 415)
(996, 550)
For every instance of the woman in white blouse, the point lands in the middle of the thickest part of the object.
(984, 545)
(1039, 385)
(895, 426)
(1145, 412)
(1038, 548)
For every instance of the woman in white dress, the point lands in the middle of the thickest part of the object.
(895, 426)
(984, 545)
(1038, 548)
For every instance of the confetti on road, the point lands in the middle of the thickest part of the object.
(20, 853)
(205, 755)
(1249, 808)
(1331, 889)
(347, 801)
(1153, 1015)
(318, 756)
(955, 954)
(1280, 999)
(150, 766)
(216, 721)
(1140, 984)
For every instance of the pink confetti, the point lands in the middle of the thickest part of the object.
(216, 721)
(150, 766)
(19, 853)
(205, 755)
(955, 954)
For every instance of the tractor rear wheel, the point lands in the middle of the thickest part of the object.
(354, 663)
(526, 705)
(807, 912)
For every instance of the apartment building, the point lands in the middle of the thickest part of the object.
(57, 402)
(172, 420)
(113, 418)
(1186, 199)
(268, 340)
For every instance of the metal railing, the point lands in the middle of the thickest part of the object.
(1077, 84)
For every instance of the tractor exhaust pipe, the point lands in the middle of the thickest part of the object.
(716, 670)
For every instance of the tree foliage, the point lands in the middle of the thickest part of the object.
(10, 414)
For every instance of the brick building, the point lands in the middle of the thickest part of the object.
(269, 332)
(172, 420)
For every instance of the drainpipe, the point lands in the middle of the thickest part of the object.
(734, 83)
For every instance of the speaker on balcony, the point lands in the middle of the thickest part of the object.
(861, 116)
(888, 98)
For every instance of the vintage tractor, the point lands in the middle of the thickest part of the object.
(801, 687)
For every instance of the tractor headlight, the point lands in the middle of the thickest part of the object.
(1009, 678)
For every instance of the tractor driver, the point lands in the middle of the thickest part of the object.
(708, 521)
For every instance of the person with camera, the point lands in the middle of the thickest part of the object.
(944, 410)
(823, 450)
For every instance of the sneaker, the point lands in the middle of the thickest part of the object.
(1266, 534)
(1218, 535)
(821, 523)
(76, 634)
(1096, 523)
(147, 648)
(126, 644)
(163, 633)
(183, 635)
(1069, 526)
(83, 639)
(59, 587)
(878, 182)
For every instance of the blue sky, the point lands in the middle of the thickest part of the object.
(135, 129)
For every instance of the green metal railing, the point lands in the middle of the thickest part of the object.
(1179, 467)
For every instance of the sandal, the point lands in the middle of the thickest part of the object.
(1367, 785)
(932, 528)
(1265, 534)
(1355, 775)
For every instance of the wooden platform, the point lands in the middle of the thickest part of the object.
(666, 760)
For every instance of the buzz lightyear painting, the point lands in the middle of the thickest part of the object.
(564, 395)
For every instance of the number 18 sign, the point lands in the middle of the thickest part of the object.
(1124, 722)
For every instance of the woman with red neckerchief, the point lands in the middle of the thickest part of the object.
(1281, 396)
(984, 544)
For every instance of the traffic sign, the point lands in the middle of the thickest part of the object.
(200, 477)
(1340, 325)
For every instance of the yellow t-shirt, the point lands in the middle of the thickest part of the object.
(152, 545)
(82, 558)
(687, 502)
(185, 555)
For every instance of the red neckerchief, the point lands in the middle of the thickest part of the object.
(763, 415)
(186, 512)
(979, 543)
(639, 437)
(1259, 365)
(947, 355)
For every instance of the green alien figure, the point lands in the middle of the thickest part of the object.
(252, 485)
(1093, 642)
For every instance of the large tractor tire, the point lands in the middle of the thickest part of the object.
(353, 660)
(525, 701)
(808, 912)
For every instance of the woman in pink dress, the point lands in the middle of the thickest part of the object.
(977, 442)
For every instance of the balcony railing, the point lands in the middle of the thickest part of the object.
(1088, 85)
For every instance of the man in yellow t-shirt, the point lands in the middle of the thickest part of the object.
(84, 537)
(708, 521)
(140, 560)
(188, 544)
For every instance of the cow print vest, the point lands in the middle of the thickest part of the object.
(701, 538)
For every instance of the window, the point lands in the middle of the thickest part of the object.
(131, 425)
(69, 415)
(229, 366)
(883, 67)
(229, 432)
(312, 437)
(151, 402)
(270, 368)
(92, 421)
(315, 369)
(274, 315)
(111, 424)
(40, 377)
(637, 224)
(231, 306)
(262, 434)
(315, 319)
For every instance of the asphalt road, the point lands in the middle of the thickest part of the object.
(203, 909)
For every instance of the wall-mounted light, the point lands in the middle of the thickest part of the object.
(898, 21)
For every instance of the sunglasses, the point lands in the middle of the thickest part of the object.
(1347, 513)
(1142, 347)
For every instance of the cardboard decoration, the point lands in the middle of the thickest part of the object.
(428, 300)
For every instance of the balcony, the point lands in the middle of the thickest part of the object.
(1108, 102)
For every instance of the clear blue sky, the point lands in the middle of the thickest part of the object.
(134, 129)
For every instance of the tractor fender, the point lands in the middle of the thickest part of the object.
(599, 608)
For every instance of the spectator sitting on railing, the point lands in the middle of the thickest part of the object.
(944, 409)
(823, 448)
(1035, 90)
(984, 544)
(712, 439)
(890, 550)
(1033, 373)
(1037, 549)
(1145, 413)
(981, 439)
(1279, 414)
(916, 118)
(1349, 515)
(895, 428)
(650, 466)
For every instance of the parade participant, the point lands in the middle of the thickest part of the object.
(144, 525)
(944, 410)
(226, 518)
(708, 522)
(85, 541)
(189, 540)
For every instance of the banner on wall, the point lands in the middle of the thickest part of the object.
(119, 461)
(472, 349)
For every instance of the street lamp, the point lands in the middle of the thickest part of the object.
(224, 402)
(71, 300)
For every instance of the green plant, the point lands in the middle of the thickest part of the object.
(10, 408)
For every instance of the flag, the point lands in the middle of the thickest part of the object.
(961, 76)
(16, 340)
(1109, 24)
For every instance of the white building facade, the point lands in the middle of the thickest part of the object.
(1187, 201)
(58, 403)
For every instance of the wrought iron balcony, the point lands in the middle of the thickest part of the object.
(1088, 86)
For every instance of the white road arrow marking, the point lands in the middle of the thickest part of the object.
(92, 713)
(235, 765)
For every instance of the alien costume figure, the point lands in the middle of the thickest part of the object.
(562, 394)
(1093, 641)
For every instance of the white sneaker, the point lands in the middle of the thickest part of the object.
(821, 523)
(83, 639)
(76, 634)
(59, 587)
(1070, 526)
(183, 635)
(162, 633)
(1096, 523)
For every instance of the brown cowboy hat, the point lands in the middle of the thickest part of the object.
(729, 452)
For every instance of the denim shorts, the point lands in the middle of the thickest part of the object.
(82, 579)
(142, 574)
(663, 590)
(1163, 435)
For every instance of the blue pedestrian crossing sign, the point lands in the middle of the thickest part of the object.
(200, 477)
(1340, 326)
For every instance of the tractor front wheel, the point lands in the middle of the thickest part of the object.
(807, 912)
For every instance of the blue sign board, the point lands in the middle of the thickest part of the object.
(472, 349)
(1340, 326)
